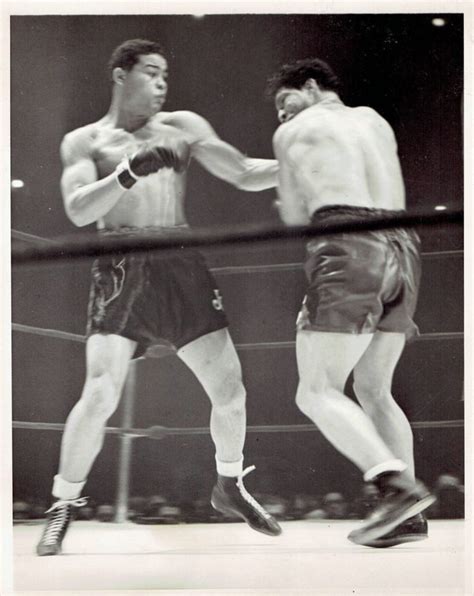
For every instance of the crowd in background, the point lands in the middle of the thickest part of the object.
(158, 509)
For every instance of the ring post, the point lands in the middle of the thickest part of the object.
(125, 456)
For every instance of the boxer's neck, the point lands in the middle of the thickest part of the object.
(126, 117)
(329, 98)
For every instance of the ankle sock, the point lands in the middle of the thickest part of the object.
(62, 489)
(230, 468)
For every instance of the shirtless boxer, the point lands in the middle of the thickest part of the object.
(336, 164)
(127, 173)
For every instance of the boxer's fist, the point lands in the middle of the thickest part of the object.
(151, 157)
(169, 153)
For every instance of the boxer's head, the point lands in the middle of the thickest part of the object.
(299, 85)
(139, 68)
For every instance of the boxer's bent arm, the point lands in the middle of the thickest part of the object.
(290, 204)
(86, 199)
(223, 160)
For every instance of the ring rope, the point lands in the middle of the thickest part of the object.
(48, 332)
(160, 432)
(277, 345)
(247, 269)
(32, 238)
(270, 345)
(92, 246)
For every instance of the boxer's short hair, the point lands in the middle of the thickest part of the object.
(127, 54)
(296, 74)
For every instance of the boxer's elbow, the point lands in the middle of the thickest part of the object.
(289, 218)
(291, 215)
(78, 219)
(76, 212)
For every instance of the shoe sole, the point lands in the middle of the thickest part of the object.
(365, 536)
(387, 543)
(235, 512)
(48, 554)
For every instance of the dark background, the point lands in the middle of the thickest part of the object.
(401, 65)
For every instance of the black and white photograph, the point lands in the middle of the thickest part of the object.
(236, 354)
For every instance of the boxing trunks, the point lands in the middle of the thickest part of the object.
(361, 282)
(154, 299)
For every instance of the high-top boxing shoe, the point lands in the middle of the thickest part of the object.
(400, 502)
(59, 516)
(230, 496)
(413, 529)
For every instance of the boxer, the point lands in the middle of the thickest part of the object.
(339, 163)
(127, 174)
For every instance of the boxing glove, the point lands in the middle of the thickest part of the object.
(150, 158)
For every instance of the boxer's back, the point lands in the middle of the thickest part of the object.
(341, 155)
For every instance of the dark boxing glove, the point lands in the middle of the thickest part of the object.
(172, 153)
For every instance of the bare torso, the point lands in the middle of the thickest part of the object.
(90, 155)
(156, 200)
(330, 154)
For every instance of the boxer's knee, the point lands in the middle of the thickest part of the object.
(226, 388)
(307, 396)
(101, 391)
(371, 394)
(303, 399)
(313, 392)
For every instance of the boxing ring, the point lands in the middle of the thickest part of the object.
(313, 556)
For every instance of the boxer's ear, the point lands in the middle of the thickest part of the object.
(119, 75)
(311, 85)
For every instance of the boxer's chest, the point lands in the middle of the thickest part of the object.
(110, 150)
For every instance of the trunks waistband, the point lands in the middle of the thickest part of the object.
(352, 210)
(333, 214)
(146, 231)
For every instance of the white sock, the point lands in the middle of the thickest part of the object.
(392, 465)
(64, 490)
(230, 468)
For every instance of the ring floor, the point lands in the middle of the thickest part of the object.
(310, 557)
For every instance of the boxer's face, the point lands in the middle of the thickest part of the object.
(145, 85)
(290, 101)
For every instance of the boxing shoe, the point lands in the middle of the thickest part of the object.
(411, 530)
(59, 516)
(399, 504)
(230, 497)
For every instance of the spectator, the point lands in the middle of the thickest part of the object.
(153, 506)
(105, 513)
(136, 507)
(299, 507)
(274, 505)
(21, 510)
(169, 514)
(367, 500)
(335, 506)
(315, 509)
(450, 498)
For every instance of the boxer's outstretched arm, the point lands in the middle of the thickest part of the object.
(223, 160)
(86, 199)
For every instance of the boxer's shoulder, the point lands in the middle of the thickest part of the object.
(371, 116)
(80, 140)
(186, 121)
(289, 132)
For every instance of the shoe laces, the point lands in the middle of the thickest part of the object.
(61, 513)
(247, 496)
